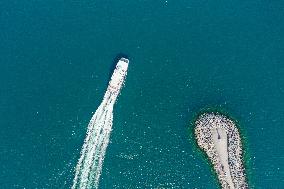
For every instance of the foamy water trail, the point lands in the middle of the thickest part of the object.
(90, 163)
(89, 167)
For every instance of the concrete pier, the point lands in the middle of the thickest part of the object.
(219, 137)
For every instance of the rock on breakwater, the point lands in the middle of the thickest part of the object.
(219, 137)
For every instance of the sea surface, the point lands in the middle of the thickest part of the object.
(56, 58)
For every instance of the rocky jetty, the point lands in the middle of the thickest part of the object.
(219, 137)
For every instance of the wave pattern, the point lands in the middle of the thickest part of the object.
(89, 166)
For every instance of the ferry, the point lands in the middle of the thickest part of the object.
(118, 76)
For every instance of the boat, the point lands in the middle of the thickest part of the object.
(118, 76)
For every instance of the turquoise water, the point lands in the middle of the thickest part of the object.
(56, 58)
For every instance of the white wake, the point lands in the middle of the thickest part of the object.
(89, 166)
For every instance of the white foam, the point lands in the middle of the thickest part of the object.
(90, 163)
(89, 167)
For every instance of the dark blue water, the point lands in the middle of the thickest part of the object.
(56, 57)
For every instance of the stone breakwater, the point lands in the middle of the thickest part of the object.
(219, 137)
